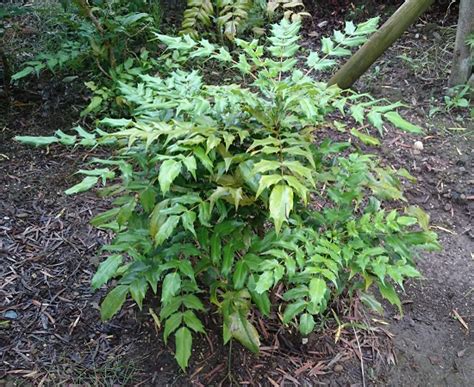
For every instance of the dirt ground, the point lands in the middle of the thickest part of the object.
(50, 330)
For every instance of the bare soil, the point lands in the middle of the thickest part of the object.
(50, 330)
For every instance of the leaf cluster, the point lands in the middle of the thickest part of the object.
(234, 197)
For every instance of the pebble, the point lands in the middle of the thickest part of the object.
(11, 315)
(338, 368)
(418, 145)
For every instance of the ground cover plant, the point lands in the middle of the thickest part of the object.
(226, 196)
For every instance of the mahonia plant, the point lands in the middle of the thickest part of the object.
(224, 193)
(229, 17)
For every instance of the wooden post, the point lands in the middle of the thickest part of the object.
(393, 28)
(462, 60)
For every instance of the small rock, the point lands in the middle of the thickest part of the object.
(11, 315)
(338, 368)
(418, 145)
(461, 353)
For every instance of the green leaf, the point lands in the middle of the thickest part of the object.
(365, 138)
(267, 181)
(241, 330)
(406, 221)
(138, 289)
(402, 124)
(113, 302)
(193, 322)
(94, 104)
(281, 204)
(191, 166)
(306, 324)
(375, 118)
(388, 292)
(422, 216)
(357, 112)
(371, 302)
(264, 282)
(169, 170)
(166, 229)
(86, 184)
(171, 324)
(171, 285)
(216, 248)
(116, 122)
(105, 217)
(184, 343)
(240, 274)
(188, 218)
(192, 302)
(106, 271)
(317, 290)
(147, 199)
(23, 73)
(36, 140)
(227, 258)
(292, 310)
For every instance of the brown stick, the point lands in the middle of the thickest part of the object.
(379, 42)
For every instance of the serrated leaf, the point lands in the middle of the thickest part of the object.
(166, 229)
(36, 140)
(280, 204)
(371, 302)
(86, 184)
(240, 274)
(184, 343)
(243, 331)
(266, 182)
(106, 271)
(147, 199)
(169, 170)
(138, 288)
(105, 217)
(365, 138)
(406, 220)
(317, 290)
(23, 73)
(193, 322)
(113, 302)
(306, 324)
(422, 216)
(190, 164)
(171, 324)
(292, 310)
(388, 292)
(402, 124)
(264, 282)
(188, 218)
(171, 285)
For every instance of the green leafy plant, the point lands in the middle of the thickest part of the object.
(229, 18)
(234, 197)
(227, 15)
(97, 37)
(458, 97)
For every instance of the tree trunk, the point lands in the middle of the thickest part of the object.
(393, 28)
(462, 61)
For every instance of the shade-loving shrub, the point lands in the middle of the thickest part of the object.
(96, 36)
(224, 193)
